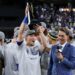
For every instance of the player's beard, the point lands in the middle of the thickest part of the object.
(31, 43)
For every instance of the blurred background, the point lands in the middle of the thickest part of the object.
(12, 13)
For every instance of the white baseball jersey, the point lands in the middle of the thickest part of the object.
(30, 61)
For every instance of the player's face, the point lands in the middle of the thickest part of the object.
(31, 38)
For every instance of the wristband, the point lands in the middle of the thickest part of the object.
(25, 20)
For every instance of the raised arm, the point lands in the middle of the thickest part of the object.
(24, 24)
(44, 42)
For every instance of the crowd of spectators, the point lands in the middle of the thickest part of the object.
(55, 17)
